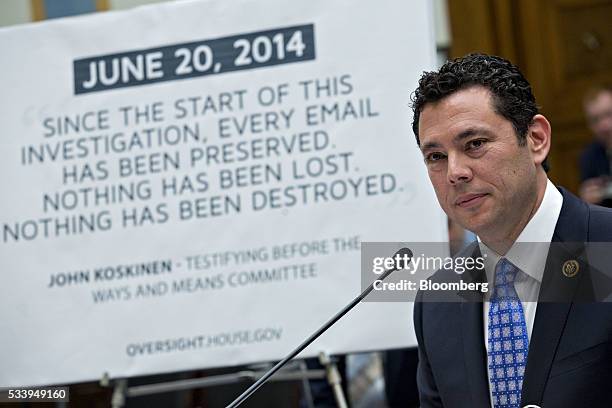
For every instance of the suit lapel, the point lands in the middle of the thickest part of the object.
(475, 353)
(547, 330)
(554, 301)
(472, 330)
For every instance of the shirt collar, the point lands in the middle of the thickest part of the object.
(530, 258)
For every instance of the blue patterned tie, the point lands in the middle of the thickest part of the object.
(508, 341)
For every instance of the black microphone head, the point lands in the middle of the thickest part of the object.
(403, 252)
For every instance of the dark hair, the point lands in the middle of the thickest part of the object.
(512, 95)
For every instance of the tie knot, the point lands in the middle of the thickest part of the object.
(505, 273)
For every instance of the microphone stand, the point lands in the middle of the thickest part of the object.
(246, 394)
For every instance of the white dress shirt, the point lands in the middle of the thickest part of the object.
(530, 259)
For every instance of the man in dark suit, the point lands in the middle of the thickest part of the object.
(536, 338)
(595, 163)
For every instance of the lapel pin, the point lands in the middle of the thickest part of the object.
(570, 268)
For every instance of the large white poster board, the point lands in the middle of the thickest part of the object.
(186, 185)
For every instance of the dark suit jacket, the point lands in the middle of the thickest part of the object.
(570, 352)
(594, 162)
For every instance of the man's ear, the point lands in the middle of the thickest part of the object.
(538, 138)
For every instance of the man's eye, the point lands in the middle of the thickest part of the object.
(475, 144)
(433, 157)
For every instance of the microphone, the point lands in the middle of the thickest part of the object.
(403, 253)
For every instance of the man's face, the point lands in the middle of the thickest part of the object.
(483, 179)
(599, 116)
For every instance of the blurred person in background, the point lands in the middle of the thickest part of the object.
(596, 183)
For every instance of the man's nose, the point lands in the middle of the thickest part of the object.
(458, 170)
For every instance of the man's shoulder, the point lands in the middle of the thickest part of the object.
(449, 274)
(450, 283)
(600, 223)
(583, 222)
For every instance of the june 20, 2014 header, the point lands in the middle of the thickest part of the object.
(187, 60)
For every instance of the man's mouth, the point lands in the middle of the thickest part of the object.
(469, 200)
